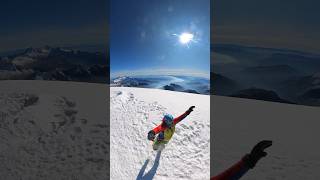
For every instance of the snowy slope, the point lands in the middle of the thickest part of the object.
(135, 111)
(240, 123)
(53, 130)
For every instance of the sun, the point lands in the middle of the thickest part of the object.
(186, 38)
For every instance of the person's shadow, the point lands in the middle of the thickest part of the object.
(149, 175)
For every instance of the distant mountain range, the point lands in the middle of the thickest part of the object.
(222, 85)
(259, 94)
(173, 83)
(270, 74)
(126, 81)
(55, 63)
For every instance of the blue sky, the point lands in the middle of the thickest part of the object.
(144, 36)
(60, 22)
(291, 24)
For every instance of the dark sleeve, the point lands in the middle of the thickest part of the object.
(235, 172)
(180, 118)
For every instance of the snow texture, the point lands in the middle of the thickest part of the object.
(240, 123)
(135, 111)
(50, 130)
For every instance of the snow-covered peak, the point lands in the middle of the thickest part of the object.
(125, 81)
(37, 52)
(45, 51)
(120, 79)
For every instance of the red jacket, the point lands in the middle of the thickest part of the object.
(176, 120)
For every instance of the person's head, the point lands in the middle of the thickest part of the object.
(168, 120)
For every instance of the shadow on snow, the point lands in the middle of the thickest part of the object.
(149, 175)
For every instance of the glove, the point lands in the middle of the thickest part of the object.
(151, 135)
(257, 153)
(161, 136)
(190, 109)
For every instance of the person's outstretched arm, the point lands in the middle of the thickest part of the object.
(161, 127)
(234, 172)
(249, 161)
(182, 116)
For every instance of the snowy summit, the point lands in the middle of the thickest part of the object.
(135, 111)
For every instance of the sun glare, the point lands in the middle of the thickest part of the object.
(185, 38)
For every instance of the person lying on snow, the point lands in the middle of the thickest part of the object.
(166, 129)
(247, 162)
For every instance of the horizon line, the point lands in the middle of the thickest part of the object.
(159, 72)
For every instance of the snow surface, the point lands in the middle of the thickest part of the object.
(53, 130)
(57, 130)
(240, 123)
(135, 111)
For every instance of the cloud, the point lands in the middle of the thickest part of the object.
(173, 72)
(218, 58)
